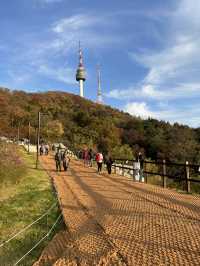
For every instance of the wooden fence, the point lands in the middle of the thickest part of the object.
(178, 171)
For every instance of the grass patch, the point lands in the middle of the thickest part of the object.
(21, 203)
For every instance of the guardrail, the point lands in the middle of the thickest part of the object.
(177, 171)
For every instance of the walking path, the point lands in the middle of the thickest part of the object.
(114, 221)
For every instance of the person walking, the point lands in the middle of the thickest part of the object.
(140, 159)
(90, 157)
(58, 160)
(46, 149)
(41, 150)
(99, 160)
(109, 162)
(66, 161)
(85, 157)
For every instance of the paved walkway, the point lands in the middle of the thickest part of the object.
(114, 221)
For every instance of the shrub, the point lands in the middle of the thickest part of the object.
(12, 167)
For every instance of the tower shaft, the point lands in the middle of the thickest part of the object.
(80, 73)
(81, 87)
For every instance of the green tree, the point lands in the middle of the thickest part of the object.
(53, 130)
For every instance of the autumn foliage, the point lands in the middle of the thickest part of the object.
(79, 122)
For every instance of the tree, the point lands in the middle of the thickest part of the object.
(122, 152)
(53, 130)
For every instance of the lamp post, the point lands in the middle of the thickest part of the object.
(29, 136)
(38, 137)
(18, 132)
(38, 141)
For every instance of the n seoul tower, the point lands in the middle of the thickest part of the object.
(80, 73)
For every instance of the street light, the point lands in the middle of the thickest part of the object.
(38, 141)
(29, 136)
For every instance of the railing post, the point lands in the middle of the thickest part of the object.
(122, 168)
(187, 176)
(145, 175)
(115, 168)
(133, 172)
(164, 174)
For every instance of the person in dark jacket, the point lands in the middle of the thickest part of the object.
(90, 157)
(109, 162)
(58, 160)
(41, 150)
(140, 159)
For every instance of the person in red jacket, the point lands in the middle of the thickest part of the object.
(99, 160)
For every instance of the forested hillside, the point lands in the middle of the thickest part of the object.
(78, 122)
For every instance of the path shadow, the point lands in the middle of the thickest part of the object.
(162, 196)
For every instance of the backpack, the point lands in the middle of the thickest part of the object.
(57, 156)
(99, 157)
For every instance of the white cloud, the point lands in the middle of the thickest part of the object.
(57, 41)
(49, 1)
(62, 38)
(173, 70)
(178, 62)
(89, 29)
(148, 91)
(74, 23)
(171, 64)
(186, 115)
(65, 34)
(139, 109)
(65, 75)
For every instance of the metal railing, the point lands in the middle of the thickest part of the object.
(6, 245)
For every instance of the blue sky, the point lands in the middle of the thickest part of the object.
(148, 52)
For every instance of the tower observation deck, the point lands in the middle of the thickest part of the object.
(80, 73)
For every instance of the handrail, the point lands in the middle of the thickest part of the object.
(158, 162)
(159, 174)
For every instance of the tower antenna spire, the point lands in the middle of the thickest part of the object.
(99, 92)
(80, 73)
(80, 55)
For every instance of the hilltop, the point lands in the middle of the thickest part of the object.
(78, 122)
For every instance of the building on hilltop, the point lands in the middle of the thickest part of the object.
(80, 73)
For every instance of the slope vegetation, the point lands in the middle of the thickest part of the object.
(78, 122)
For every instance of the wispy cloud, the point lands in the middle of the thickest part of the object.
(75, 23)
(60, 40)
(92, 30)
(49, 1)
(173, 70)
(186, 115)
(65, 75)
(149, 92)
(139, 109)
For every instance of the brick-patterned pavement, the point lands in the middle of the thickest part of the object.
(115, 221)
